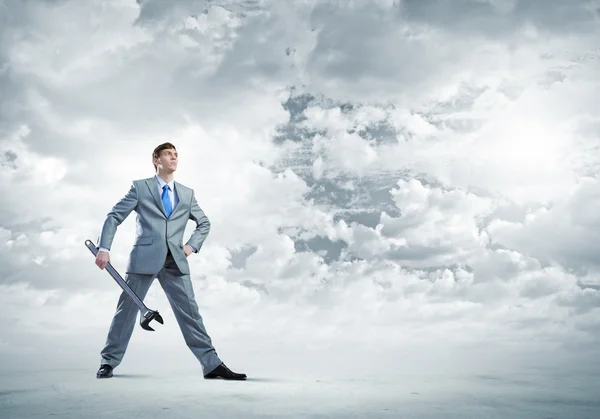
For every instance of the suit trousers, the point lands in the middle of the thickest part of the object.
(179, 292)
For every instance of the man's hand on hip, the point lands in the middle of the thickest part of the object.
(102, 259)
(187, 249)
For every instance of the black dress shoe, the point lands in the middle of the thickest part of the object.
(105, 371)
(223, 372)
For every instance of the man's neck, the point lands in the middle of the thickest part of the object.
(167, 177)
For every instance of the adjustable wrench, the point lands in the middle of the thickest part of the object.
(148, 315)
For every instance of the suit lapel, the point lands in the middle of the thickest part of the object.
(151, 183)
(183, 198)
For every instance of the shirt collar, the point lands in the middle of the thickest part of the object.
(162, 183)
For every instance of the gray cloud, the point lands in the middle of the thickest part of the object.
(9, 159)
(502, 18)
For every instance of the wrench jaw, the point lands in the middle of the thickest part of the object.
(148, 317)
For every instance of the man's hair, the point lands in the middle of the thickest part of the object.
(158, 150)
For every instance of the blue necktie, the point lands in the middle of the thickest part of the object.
(166, 201)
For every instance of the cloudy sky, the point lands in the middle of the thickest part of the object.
(392, 185)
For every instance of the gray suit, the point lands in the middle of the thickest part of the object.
(158, 253)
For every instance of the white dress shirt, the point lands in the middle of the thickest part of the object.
(172, 196)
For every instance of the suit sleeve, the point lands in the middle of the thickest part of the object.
(117, 215)
(202, 225)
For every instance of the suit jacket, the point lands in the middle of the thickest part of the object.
(155, 232)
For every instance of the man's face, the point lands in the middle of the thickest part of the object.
(167, 161)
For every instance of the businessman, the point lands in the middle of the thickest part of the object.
(163, 209)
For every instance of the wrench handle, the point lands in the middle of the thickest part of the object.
(113, 272)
